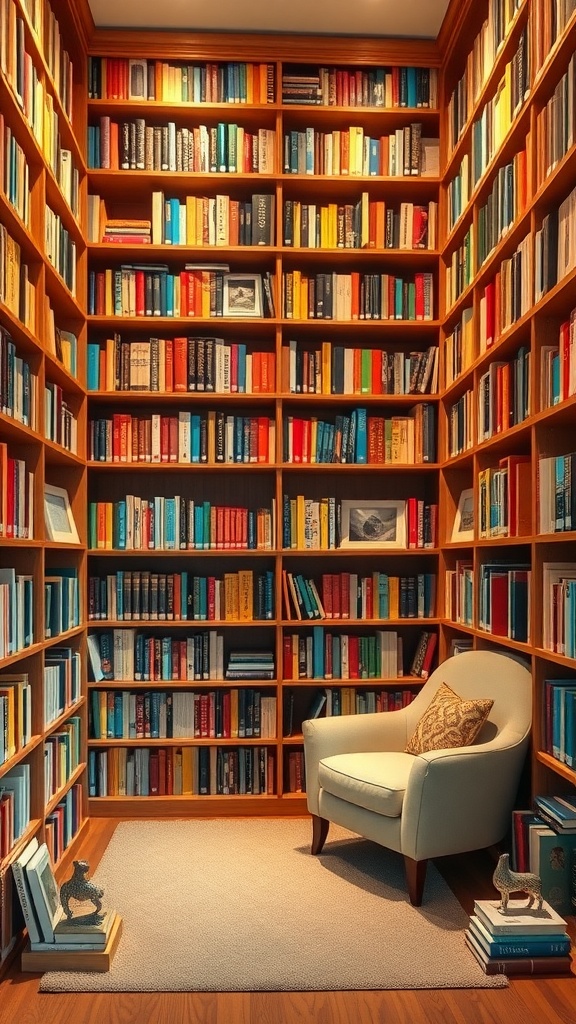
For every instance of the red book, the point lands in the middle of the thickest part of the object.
(164, 439)
(154, 773)
(180, 350)
(263, 439)
(162, 772)
(345, 595)
(170, 771)
(419, 299)
(412, 510)
(297, 427)
(169, 365)
(327, 594)
(428, 656)
(376, 381)
(140, 293)
(499, 604)
(354, 657)
(234, 368)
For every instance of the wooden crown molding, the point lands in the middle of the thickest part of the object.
(262, 46)
(78, 13)
(451, 27)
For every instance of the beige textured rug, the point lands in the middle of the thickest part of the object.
(240, 905)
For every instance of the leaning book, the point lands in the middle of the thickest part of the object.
(44, 891)
(23, 890)
(519, 919)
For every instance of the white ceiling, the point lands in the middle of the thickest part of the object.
(335, 17)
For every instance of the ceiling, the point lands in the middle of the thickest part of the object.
(334, 17)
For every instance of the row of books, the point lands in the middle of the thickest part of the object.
(15, 713)
(461, 432)
(479, 64)
(153, 290)
(18, 383)
(351, 151)
(504, 600)
(366, 224)
(460, 269)
(458, 193)
(348, 700)
(505, 202)
(491, 127)
(555, 125)
(160, 714)
(559, 722)
(357, 296)
(543, 840)
(321, 654)
(59, 342)
(14, 173)
(143, 595)
(61, 756)
(62, 824)
(558, 365)
(556, 493)
(501, 513)
(62, 681)
(175, 771)
(360, 439)
(16, 611)
(162, 523)
(16, 289)
(347, 595)
(459, 593)
(61, 601)
(60, 423)
(60, 248)
(14, 806)
(548, 24)
(342, 370)
(47, 29)
(558, 611)
(129, 654)
(213, 437)
(555, 246)
(21, 73)
(460, 347)
(179, 365)
(213, 220)
(328, 523)
(16, 497)
(504, 395)
(221, 148)
(508, 296)
(358, 87)
(130, 78)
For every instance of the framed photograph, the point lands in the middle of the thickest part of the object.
(58, 516)
(463, 528)
(242, 295)
(373, 524)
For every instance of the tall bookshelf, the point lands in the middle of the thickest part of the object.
(42, 436)
(291, 342)
(506, 313)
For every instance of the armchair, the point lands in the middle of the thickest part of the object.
(432, 804)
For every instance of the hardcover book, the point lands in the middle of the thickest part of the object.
(519, 919)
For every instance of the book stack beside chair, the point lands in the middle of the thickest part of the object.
(520, 941)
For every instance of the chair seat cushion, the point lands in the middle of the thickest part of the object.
(374, 780)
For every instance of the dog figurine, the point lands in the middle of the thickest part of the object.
(507, 881)
(80, 888)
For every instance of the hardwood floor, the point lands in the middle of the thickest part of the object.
(526, 1001)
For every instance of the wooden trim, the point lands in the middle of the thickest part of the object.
(260, 46)
(79, 13)
(451, 27)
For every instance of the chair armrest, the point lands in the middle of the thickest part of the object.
(460, 799)
(349, 734)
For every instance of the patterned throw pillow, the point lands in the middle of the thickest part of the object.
(449, 721)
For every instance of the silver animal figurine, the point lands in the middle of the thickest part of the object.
(80, 888)
(507, 881)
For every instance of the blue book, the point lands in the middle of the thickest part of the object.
(118, 715)
(411, 98)
(92, 773)
(373, 157)
(93, 367)
(168, 303)
(167, 222)
(195, 438)
(170, 524)
(383, 596)
(519, 945)
(242, 369)
(221, 147)
(175, 220)
(398, 298)
(361, 436)
(318, 652)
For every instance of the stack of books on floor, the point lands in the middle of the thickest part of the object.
(520, 941)
(54, 942)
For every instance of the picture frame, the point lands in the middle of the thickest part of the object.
(58, 517)
(373, 523)
(243, 295)
(463, 529)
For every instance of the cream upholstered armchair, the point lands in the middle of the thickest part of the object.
(443, 801)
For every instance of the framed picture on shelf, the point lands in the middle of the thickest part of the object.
(242, 295)
(463, 528)
(373, 524)
(60, 525)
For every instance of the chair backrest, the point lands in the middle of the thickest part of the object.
(484, 674)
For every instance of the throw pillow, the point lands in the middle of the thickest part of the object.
(449, 721)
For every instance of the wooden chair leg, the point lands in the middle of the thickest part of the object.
(320, 828)
(415, 878)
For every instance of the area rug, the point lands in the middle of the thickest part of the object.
(236, 905)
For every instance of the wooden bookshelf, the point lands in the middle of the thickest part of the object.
(543, 427)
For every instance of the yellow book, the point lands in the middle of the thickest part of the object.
(313, 440)
(110, 367)
(187, 771)
(205, 294)
(326, 368)
(300, 516)
(394, 597)
(324, 523)
(324, 229)
(212, 437)
(234, 714)
(190, 220)
(102, 699)
(246, 595)
(296, 296)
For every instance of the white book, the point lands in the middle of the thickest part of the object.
(519, 919)
(23, 890)
(43, 891)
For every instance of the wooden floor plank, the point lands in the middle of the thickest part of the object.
(526, 1001)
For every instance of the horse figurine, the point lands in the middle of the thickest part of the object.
(507, 881)
(80, 888)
